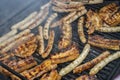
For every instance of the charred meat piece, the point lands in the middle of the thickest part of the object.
(65, 56)
(81, 30)
(104, 62)
(94, 22)
(49, 45)
(66, 36)
(108, 10)
(39, 70)
(76, 62)
(101, 42)
(18, 64)
(23, 47)
(86, 77)
(52, 76)
(114, 20)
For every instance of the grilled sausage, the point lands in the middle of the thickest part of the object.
(94, 22)
(50, 45)
(39, 70)
(8, 35)
(78, 14)
(114, 20)
(52, 76)
(76, 62)
(40, 40)
(86, 77)
(108, 10)
(59, 22)
(80, 30)
(37, 20)
(21, 46)
(62, 10)
(104, 62)
(65, 56)
(101, 42)
(10, 40)
(48, 22)
(91, 63)
(109, 29)
(66, 37)
(26, 20)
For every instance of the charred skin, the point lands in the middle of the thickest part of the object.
(27, 48)
(76, 62)
(23, 47)
(50, 45)
(81, 30)
(65, 56)
(47, 24)
(94, 22)
(59, 22)
(101, 42)
(39, 70)
(62, 10)
(52, 76)
(66, 36)
(40, 39)
(114, 20)
(86, 77)
(108, 10)
(18, 65)
(91, 63)
(104, 62)
(12, 39)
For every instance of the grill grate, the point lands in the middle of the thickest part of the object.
(105, 74)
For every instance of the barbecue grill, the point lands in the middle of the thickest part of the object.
(107, 73)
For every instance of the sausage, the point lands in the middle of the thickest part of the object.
(52, 76)
(39, 70)
(24, 21)
(37, 20)
(94, 1)
(49, 45)
(104, 62)
(86, 77)
(7, 48)
(17, 36)
(40, 40)
(80, 30)
(20, 65)
(108, 10)
(94, 22)
(76, 62)
(21, 46)
(80, 13)
(65, 56)
(114, 20)
(59, 4)
(109, 29)
(101, 42)
(61, 10)
(8, 35)
(91, 63)
(66, 36)
(47, 24)
(59, 22)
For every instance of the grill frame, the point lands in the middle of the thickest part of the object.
(93, 52)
